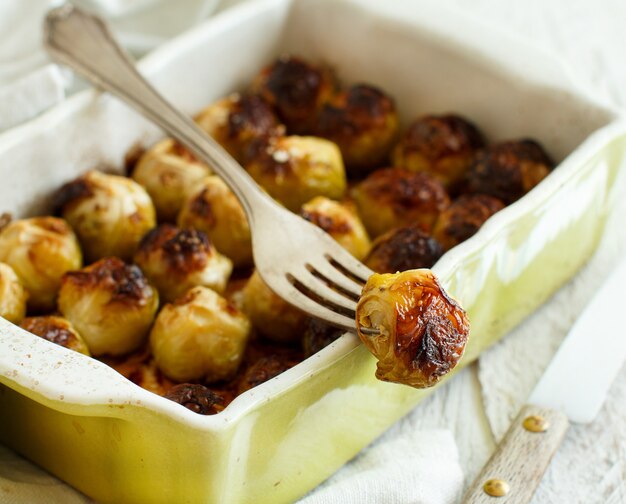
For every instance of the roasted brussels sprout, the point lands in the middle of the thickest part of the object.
(265, 368)
(402, 249)
(40, 250)
(273, 317)
(176, 260)
(110, 214)
(339, 220)
(236, 120)
(199, 337)
(297, 90)
(443, 146)
(363, 122)
(140, 368)
(13, 295)
(464, 217)
(394, 197)
(57, 330)
(318, 335)
(214, 209)
(422, 331)
(295, 169)
(196, 398)
(168, 172)
(508, 170)
(110, 303)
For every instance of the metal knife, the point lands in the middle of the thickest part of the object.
(572, 388)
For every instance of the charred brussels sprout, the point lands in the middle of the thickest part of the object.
(273, 317)
(363, 122)
(508, 170)
(110, 214)
(111, 305)
(236, 120)
(56, 330)
(295, 169)
(215, 210)
(169, 173)
(464, 217)
(176, 260)
(422, 332)
(297, 90)
(402, 249)
(443, 146)
(339, 220)
(394, 197)
(199, 337)
(40, 250)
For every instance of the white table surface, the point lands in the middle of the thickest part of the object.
(478, 404)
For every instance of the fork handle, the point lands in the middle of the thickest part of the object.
(84, 43)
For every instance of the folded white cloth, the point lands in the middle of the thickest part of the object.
(30, 84)
(406, 467)
(31, 94)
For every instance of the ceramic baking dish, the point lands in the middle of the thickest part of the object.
(116, 442)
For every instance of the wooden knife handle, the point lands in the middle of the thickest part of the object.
(514, 471)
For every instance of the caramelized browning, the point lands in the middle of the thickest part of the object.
(251, 117)
(236, 120)
(56, 330)
(109, 214)
(214, 209)
(196, 398)
(125, 283)
(363, 122)
(395, 197)
(444, 146)
(183, 250)
(110, 304)
(464, 217)
(201, 206)
(422, 331)
(296, 169)
(328, 223)
(168, 172)
(262, 370)
(339, 220)
(403, 249)
(76, 190)
(5, 220)
(296, 89)
(263, 361)
(509, 170)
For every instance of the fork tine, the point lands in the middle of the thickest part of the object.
(291, 294)
(334, 276)
(319, 288)
(346, 261)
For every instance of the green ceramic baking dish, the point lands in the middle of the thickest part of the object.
(116, 442)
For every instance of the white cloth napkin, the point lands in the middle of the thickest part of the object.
(405, 467)
(30, 83)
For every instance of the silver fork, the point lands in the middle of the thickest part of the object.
(297, 260)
